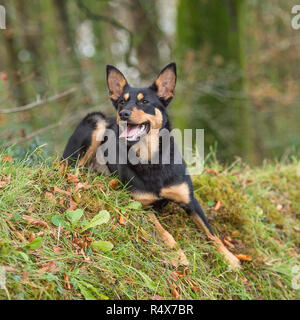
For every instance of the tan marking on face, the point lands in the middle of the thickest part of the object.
(138, 116)
(149, 144)
(145, 198)
(116, 83)
(178, 193)
(232, 260)
(126, 96)
(96, 139)
(140, 96)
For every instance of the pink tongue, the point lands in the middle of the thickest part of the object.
(130, 131)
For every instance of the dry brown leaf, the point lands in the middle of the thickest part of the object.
(12, 227)
(7, 158)
(20, 236)
(175, 291)
(72, 178)
(243, 257)
(50, 267)
(31, 209)
(114, 183)
(81, 185)
(58, 190)
(218, 205)
(157, 297)
(32, 220)
(122, 221)
(31, 237)
(62, 168)
(297, 229)
(50, 196)
(67, 284)
(214, 171)
(234, 233)
(73, 204)
(57, 249)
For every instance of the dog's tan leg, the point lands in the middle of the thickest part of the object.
(169, 241)
(233, 261)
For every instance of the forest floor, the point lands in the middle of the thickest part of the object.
(70, 234)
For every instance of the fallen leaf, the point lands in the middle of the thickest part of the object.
(175, 291)
(243, 257)
(31, 209)
(58, 190)
(32, 220)
(234, 233)
(297, 229)
(72, 178)
(214, 171)
(7, 158)
(50, 267)
(50, 196)
(114, 183)
(31, 237)
(67, 284)
(122, 221)
(73, 204)
(57, 249)
(218, 205)
(228, 244)
(157, 297)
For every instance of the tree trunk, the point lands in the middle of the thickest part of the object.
(210, 37)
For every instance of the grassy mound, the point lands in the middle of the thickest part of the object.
(70, 234)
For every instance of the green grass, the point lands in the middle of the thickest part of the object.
(262, 204)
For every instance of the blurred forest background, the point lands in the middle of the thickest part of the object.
(238, 69)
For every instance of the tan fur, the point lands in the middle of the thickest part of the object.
(116, 83)
(126, 96)
(179, 257)
(230, 257)
(150, 143)
(96, 139)
(165, 84)
(179, 193)
(145, 198)
(140, 96)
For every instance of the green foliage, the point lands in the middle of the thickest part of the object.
(259, 211)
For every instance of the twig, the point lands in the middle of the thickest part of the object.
(39, 102)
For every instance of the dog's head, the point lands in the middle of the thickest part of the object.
(143, 109)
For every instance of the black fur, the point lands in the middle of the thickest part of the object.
(142, 177)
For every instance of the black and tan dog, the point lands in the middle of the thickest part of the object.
(145, 111)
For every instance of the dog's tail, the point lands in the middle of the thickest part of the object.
(85, 140)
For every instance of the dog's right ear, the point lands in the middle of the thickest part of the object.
(116, 82)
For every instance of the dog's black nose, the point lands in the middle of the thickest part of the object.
(124, 114)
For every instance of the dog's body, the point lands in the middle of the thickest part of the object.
(144, 110)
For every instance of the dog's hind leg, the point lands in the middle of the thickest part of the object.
(82, 145)
(197, 215)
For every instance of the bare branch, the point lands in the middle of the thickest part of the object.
(39, 102)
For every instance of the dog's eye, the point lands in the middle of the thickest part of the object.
(145, 101)
(122, 102)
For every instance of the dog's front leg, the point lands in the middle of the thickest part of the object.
(197, 215)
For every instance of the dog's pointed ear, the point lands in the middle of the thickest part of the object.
(165, 83)
(116, 82)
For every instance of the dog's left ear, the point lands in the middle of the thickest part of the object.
(165, 83)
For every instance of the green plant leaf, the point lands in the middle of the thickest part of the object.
(102, 217)
(134, 205)
(102, 245)
(148, 281)
(210, 203)
(57, 220)
(89, 291)
(74, 216)
(35, 244)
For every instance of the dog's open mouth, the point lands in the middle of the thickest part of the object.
(134, 132)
